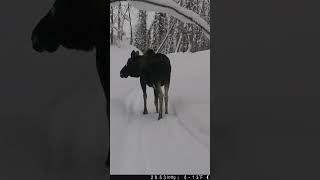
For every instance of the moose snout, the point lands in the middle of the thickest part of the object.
(123, 73)
(35, 43)
(37, 48)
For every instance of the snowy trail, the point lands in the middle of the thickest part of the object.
(147, 150)
(140, 144)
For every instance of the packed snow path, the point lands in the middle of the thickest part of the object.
(178, 143)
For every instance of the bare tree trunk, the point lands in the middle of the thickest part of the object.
(181, 31)
(131, 36)
(166, 37)
(111, 16)
(189, 38)
(119, 22)
(196, 36)
(190, 42)
(179, 42)
(122, 20)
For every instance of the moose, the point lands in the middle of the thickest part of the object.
(78, 25)
(154, 70)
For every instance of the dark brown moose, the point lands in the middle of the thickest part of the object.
(154, 70)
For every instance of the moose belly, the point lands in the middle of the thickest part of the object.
(153, 83)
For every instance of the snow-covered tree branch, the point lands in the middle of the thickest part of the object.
(171, 8)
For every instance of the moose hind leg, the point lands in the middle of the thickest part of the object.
(160, 99)
(155, 98)
(143, 86)
(145, 110)
(166, 97)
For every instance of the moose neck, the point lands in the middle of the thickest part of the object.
(139, 64)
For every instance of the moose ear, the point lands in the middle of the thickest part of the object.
(132, 54)
(137, 53)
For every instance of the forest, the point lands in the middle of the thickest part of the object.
(165, 34)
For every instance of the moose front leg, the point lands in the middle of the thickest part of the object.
(155, 98)
(143, 86)
(160, 99)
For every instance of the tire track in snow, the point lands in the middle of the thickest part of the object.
(133, 157)
(192, 131)
(158, 146)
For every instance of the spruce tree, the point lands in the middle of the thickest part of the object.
(205, 14)
(160, 25)
(141, 38)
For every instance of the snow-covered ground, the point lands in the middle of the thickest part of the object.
(177, 144)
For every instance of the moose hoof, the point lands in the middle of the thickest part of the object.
(160, 117)
(166, 112)
(145, 112)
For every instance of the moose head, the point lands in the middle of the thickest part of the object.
(132, 68)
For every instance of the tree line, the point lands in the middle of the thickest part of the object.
(166, 34)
